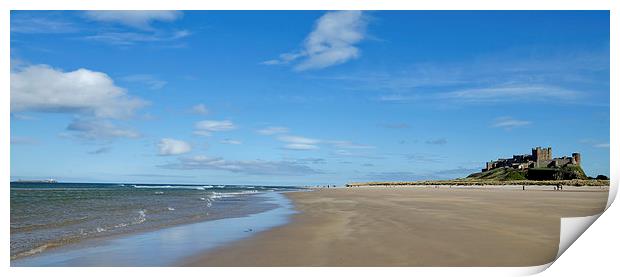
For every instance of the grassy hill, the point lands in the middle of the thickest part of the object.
(500, 174)
(567, 172)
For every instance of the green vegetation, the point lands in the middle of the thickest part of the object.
(570, 172)
(567, 172)
(515, 175)
(499, 174)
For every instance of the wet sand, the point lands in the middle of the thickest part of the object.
(412, 226)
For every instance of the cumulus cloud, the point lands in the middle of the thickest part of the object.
(168, 147)
(96, 129)
(45, 89)
(200, 109)
(508, 123)
(331, 42)
(273, 130)
(136, 19)
(299, 143)
(249, 167)
(207, 127)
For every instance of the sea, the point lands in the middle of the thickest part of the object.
(59, 224)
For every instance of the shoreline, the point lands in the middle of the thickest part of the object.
(406, 226)
(164, 246)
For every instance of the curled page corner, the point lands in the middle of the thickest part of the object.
(613, 190)
(571, 228)
(533, 270)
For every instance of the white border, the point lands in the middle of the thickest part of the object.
(594, 252)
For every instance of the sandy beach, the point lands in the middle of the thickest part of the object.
(409, 226)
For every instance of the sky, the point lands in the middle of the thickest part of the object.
(302, 97)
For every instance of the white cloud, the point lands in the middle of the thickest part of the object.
(250, 167)
(354, 154)
(136, 19)
(149, 80)
(331, 42)
(168, 146)
(508, 123)
(94, 129)
(273, 130)
(343, 144)
(206, 127)
(512, 93)
(298, 140)
(304, 143)
(200, 109)
(131, 38)
(45, 89)
(230, 141)
(40, 23)
(299, 143)
(300, 146)
(18, 116)
(201, 133)
(595, 143)
(601, 145)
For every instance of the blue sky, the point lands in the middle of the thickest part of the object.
(302, 97)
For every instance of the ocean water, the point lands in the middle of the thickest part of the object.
(46, 217)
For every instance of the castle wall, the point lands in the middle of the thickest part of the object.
(541, 158)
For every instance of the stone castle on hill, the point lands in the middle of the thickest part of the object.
(540, 158)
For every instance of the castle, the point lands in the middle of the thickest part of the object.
(540, 157)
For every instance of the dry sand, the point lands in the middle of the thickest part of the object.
(408, 226)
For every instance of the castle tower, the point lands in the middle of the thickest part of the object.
(541, 155)
(535, 153)
(577, 158)
(548, 155)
